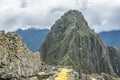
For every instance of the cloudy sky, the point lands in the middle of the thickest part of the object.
(102, 15)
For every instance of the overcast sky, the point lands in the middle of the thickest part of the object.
(102, 15)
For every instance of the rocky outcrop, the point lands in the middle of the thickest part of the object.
(67, 73)
(57, 73)
(16, 61)
(72, 42)
(95, 76)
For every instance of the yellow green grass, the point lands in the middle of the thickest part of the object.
(63, 75)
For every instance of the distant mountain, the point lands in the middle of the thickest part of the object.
(72, 42)
(33, 38)
(111, 38)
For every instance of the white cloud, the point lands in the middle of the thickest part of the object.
(26, 13)
(16, 14)
(99, 14)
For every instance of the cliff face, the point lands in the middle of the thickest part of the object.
(72, 42)
(16, 60)
(115, 58)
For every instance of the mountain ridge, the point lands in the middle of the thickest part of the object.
(32, 37)
(111, 38)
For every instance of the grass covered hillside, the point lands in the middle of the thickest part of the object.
(72, 42)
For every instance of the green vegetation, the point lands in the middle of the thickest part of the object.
(115, 58)
(72, 42)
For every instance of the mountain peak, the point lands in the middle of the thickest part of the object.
(75, 15)
(73, 12)
(72, 42)
(72, 19)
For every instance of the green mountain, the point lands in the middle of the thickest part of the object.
(115, 58)
(72, 42)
